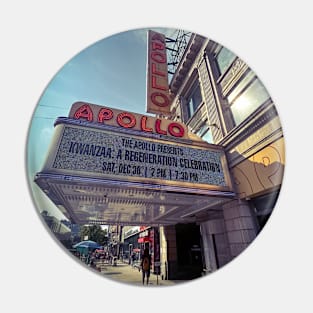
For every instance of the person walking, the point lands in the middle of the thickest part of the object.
(133, 257)
(145, 265)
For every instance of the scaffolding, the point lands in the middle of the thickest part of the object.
(176, 47)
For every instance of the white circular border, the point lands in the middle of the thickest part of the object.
(40, 40)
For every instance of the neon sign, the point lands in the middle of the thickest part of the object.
(148, 124)
(158, 97)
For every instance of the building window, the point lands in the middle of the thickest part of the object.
(246, 97)
(205, 132)
(224, 59)
(194, 100)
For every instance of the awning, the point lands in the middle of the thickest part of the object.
(144, 239)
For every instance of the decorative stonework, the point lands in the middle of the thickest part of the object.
(263, 170)
(258, 135)
(262, 132)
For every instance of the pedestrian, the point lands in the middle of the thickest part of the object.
(133, 257)
(145, 265)
(92, 260)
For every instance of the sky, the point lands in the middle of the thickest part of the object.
(110, 72)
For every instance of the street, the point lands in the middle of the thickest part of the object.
(125, 273)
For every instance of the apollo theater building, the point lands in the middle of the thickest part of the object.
(202, 175)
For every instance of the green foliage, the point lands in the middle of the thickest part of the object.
(94, 233)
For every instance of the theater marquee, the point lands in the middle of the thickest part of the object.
(110, 166)
(117, 154)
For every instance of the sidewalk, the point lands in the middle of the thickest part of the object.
(131, 275)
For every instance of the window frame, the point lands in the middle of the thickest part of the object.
(230, 63)
(254, 78)
(204, 125)
(194, 87)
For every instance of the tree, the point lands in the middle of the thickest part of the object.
(94, 233)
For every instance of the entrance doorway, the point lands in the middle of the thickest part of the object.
(189, 251)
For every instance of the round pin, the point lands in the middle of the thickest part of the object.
(158, 152)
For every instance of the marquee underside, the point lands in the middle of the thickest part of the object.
(98, 201)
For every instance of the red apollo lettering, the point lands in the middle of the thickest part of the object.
(84, 112)
(130, 117)
(158, 46)
(158, 128)
(157, 72)
(159, 99)
(143, 124)
(158, 57)
(128, 120)
(157, 36)
(105, 115)
(155, 84)
(158, 95)
(180, 130)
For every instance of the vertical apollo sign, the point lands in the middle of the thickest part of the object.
(158, 97)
